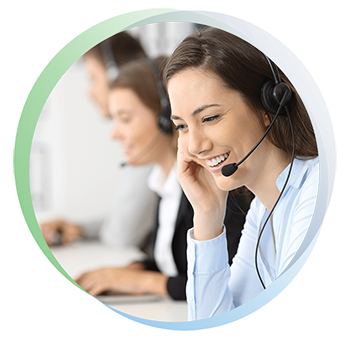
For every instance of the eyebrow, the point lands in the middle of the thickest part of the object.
(120, 112)
(196, 111)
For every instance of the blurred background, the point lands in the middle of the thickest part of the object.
(74, 165)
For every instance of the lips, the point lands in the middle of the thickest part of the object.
(216, 161)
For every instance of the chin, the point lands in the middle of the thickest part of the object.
(136, 162)
(227, 183)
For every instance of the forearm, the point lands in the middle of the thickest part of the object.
(207, 288)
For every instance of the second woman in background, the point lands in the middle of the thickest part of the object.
(138, 106)
(102, 63)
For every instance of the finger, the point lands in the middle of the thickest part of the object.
(49, 236)
(69, 238)
(97, 289)
(82, 277)
(183, 161)
(87, 283)
(93, 282)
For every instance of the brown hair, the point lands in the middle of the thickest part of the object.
(139, 76)
(124, 48)
(244, 68)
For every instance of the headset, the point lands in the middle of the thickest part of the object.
(112, 69)
(274, 96)
(111, 65)
(164, 122)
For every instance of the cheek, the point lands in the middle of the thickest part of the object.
(142, 134)
(183, 143)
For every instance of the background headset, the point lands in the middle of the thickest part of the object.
(112, 69)
(274, 96)
(111, 65)
(164, 122)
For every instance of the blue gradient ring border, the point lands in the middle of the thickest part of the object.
(317, 109)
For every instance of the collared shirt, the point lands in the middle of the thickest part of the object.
(213, 287)
(169, 190)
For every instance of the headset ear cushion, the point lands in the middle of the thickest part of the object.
(266, 97)
(165, 124)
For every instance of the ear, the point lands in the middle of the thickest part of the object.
(267, 120)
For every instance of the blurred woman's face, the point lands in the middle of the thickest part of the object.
(98, 87)
(135, 127)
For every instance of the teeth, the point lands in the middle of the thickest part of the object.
(217, 160)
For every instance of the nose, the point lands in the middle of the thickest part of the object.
(198, 142)
(115, 133)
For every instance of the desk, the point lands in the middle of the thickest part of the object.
(85, 256)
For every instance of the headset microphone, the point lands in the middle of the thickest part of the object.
(230, 169)
(146, 149)
(275, 95)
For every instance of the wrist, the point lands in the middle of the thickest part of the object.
(136, 266)
(208, 226)
(155, 283)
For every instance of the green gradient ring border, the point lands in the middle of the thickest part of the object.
(291, 66)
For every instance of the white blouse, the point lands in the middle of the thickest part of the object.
(213, 287)
(169, 190)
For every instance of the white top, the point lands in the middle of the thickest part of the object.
(169, 190)
(213, 287)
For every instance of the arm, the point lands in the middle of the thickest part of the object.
(208, 276)
(213, 287)
(206, 241)
(132, 279)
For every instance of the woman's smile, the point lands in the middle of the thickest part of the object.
(216, 163)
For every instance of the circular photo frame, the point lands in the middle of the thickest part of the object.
(266, 43)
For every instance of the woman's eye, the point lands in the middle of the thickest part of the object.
(125, 120)
(210, 119)
(180, 127)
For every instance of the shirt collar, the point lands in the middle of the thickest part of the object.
(299, 169)
(160, 183)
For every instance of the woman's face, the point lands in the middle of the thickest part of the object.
(135, 127)
(216, 127)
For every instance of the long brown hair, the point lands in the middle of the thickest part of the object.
(244, 68)
(139, 76)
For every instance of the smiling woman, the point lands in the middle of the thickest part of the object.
(135, 104)
(219, 90)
